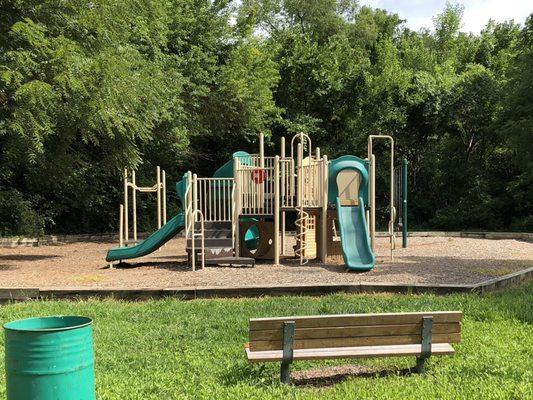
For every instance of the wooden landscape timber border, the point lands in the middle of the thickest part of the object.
(191, 293)
(11, 242)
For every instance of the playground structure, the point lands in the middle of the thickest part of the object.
(159, 187)
(240, 214)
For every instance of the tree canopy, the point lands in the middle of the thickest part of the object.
(88, 88)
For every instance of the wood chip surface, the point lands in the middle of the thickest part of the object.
(427, 260)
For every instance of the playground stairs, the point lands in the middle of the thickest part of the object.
(218, 245)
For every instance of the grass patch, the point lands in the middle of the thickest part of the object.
(494, 272)
(170, 349)
(91, 278)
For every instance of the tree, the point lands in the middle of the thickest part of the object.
(518, 128)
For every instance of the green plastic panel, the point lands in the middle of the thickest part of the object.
(347, 162)
(355, 240)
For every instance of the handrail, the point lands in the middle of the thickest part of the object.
(194, 236)
(234, 218)
(121, 227)
(391, 233)
(303, 137)
(237, 207)
(188, 204)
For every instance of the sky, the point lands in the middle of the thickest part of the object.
(418, 13)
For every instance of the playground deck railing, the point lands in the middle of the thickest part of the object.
(256, 178)
(212, 200)
(313, 183)
(213, 196)
(256, 183)
(288, 182)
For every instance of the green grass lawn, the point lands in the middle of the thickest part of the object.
(171, 349)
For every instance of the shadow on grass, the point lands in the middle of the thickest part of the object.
(329, 376)
(318, 377)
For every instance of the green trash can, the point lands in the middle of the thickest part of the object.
(50, 358)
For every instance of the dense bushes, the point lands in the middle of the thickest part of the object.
(89, 88)
(18, 215)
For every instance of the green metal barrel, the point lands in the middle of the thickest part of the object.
(50, 358)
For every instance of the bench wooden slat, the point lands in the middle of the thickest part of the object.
(355, 320)
(351, 331)
(355, 341)
(350, 352)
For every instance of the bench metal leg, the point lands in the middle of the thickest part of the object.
(288, 348)
(420, 365)
(427, 329)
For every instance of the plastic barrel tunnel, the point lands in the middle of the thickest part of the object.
(50, 358)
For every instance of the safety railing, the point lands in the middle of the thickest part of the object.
(213, 196)
(256, 184)
(235, 219)
(287, 182)
(212, 200)
(313, 183)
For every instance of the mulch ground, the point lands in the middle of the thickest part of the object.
(428, 260)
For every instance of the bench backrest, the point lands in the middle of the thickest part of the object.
(350, 330)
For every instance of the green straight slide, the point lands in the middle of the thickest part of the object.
(176, 224)
(355, 240)
(151, 243)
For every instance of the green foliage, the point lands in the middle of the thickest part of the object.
(518, 126)
(88, 89)
(18, 216)
(176, 349)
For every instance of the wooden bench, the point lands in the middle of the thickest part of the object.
(288, 339)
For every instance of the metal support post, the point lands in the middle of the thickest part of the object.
(427, 329)
(404, 202)
(276, 210)
(288, 351)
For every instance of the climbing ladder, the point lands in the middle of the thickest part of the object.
(311, 176)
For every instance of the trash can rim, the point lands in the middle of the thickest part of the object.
(81, 322)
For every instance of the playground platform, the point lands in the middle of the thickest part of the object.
(435, 263)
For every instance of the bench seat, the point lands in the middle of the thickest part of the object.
(407, 350)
